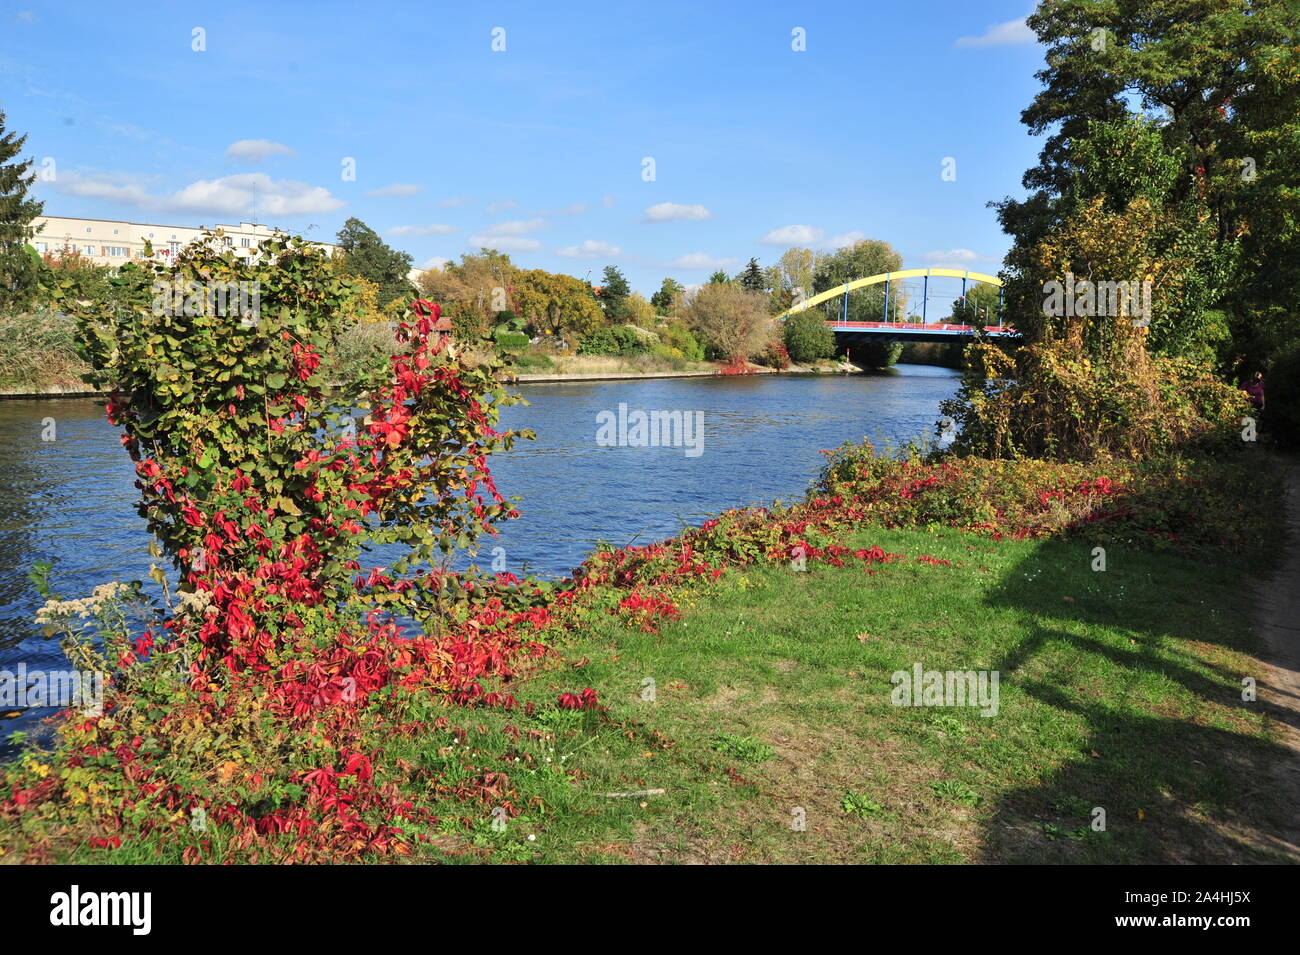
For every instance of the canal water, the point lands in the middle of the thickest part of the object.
(72, 500)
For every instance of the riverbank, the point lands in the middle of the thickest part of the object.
(705, 370)
(700, 370)
(711, 698)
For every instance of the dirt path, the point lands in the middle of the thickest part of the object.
(1279, 685)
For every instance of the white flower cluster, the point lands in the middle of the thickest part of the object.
(55, 610)
(194, 603)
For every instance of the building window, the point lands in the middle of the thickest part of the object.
(244, 242)
(119, 251)
(114, 232)
(42, 247)
(88, 250)
(174, 248)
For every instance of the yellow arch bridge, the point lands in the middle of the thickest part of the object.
(851, 332)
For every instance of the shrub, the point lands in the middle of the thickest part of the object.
(362, 350)
(775, 356)
(38, 349)
(678, 336)
(248, 696)
(1157, 502)
(1049, 400)
(808, 338)
(619, 340)
(509, 340)
(670, 355)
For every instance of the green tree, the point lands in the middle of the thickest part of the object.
(1221, 81)
(719, 278)
(19, 266)
(979, 307)
(367, 255)
(807, 337)
(614, 295)
(663, 299)
(752, 277)
(864, 258)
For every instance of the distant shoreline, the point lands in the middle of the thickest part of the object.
(82, 391)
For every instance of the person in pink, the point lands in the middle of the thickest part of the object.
(1255, 391)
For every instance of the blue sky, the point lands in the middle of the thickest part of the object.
(538, 149)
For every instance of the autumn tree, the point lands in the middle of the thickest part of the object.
(471, 291)
(555, 304)
(791, 278)
(732, 320)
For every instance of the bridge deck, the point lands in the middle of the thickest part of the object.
(911, 330)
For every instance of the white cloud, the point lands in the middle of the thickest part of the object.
(418, 230)
(509, 236)
(845, 240)
(397, 189)
(963, 259)
(504, 243)
(1011, 33)
(699, 260)
(514, 227)
(793, 235)
(673, 212)
(454, 203)
(501, 206)
(607, 202)
(255, 150)
(953, 255)
(229, 195)
(811, 237)
(574, 209)
(436, 262)
(590, 249)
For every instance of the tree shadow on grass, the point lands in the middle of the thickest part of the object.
(1173, 790)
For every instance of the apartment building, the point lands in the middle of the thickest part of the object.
(112, 242)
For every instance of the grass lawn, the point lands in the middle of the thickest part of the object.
(760, 725)
(1118, 689)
